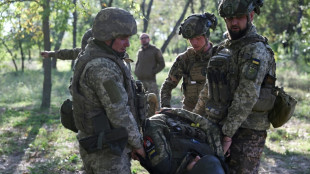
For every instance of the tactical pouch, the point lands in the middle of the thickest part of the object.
(267, 95)
(116, 139)
(265, 101)
(66, 115)
(283, 109)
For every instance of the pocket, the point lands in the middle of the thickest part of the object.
(265, 101)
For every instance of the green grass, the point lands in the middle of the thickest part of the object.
(37, 139)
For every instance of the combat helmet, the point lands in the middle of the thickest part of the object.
(198, 24)
(231, 8)
(113, 22)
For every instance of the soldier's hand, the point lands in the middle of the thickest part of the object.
(162, 110)
(139, 151)
(44, 54)
(226, 144)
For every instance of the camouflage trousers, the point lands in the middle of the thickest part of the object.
(245, 151)
(105, 162)
(151, 87)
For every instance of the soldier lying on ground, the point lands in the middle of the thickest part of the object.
(177, 140)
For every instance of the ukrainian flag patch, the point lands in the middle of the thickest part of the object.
(256, 61)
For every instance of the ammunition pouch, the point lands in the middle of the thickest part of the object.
(116, 139)
(283, 109)
(216, 112)
(66, 116)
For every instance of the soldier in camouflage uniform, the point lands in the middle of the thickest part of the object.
(177, 138)
(239, 95)
(103, 97)
(69, 54)
(190, 65)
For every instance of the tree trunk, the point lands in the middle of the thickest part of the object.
(163, 48)
(146, 18)
(29, 55)
(10, 52)
(74, 30)
(202, 6)
(57, 47)
(47, 84)
(20, 44)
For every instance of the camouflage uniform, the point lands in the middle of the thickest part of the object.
(71, 54)
(169, 138)
(105, 84)
(240, 119)
(189, 66)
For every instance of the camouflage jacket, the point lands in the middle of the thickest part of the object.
(72, 54)
(190, 67)
(102, 83)
(247, 91)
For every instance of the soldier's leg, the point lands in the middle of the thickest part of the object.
(246, 150)
(153, 105)
(104, 162)
(151, 87)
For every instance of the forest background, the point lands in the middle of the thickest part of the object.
(32, 139)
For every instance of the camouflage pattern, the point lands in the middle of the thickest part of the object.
(72, 54)
(164, 151)
(231, 8)
(88, 34)
(197, 25)
(151, 86)
(66, 54)
(213, 132)
(152, 104)
(119, 22)
(246, 150)
(105, 162)
(245, 92)
(195, 64)
(95, 85)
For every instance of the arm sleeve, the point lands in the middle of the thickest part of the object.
(201, 103)
(107, 82)
(174, 76)
(160, 62)
(247, 92)
(67, 54)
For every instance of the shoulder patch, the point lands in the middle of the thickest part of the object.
(252, 68)
(113, 91)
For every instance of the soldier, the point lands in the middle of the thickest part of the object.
(241, 75)
(103, 98)
(150, 62)
(191, 64)
(178, 141)
(69, 54)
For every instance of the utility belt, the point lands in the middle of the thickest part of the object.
(96, 125)
(115, 139)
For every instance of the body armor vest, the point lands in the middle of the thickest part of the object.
(223, 78)
(87, 115)
(194, 79)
